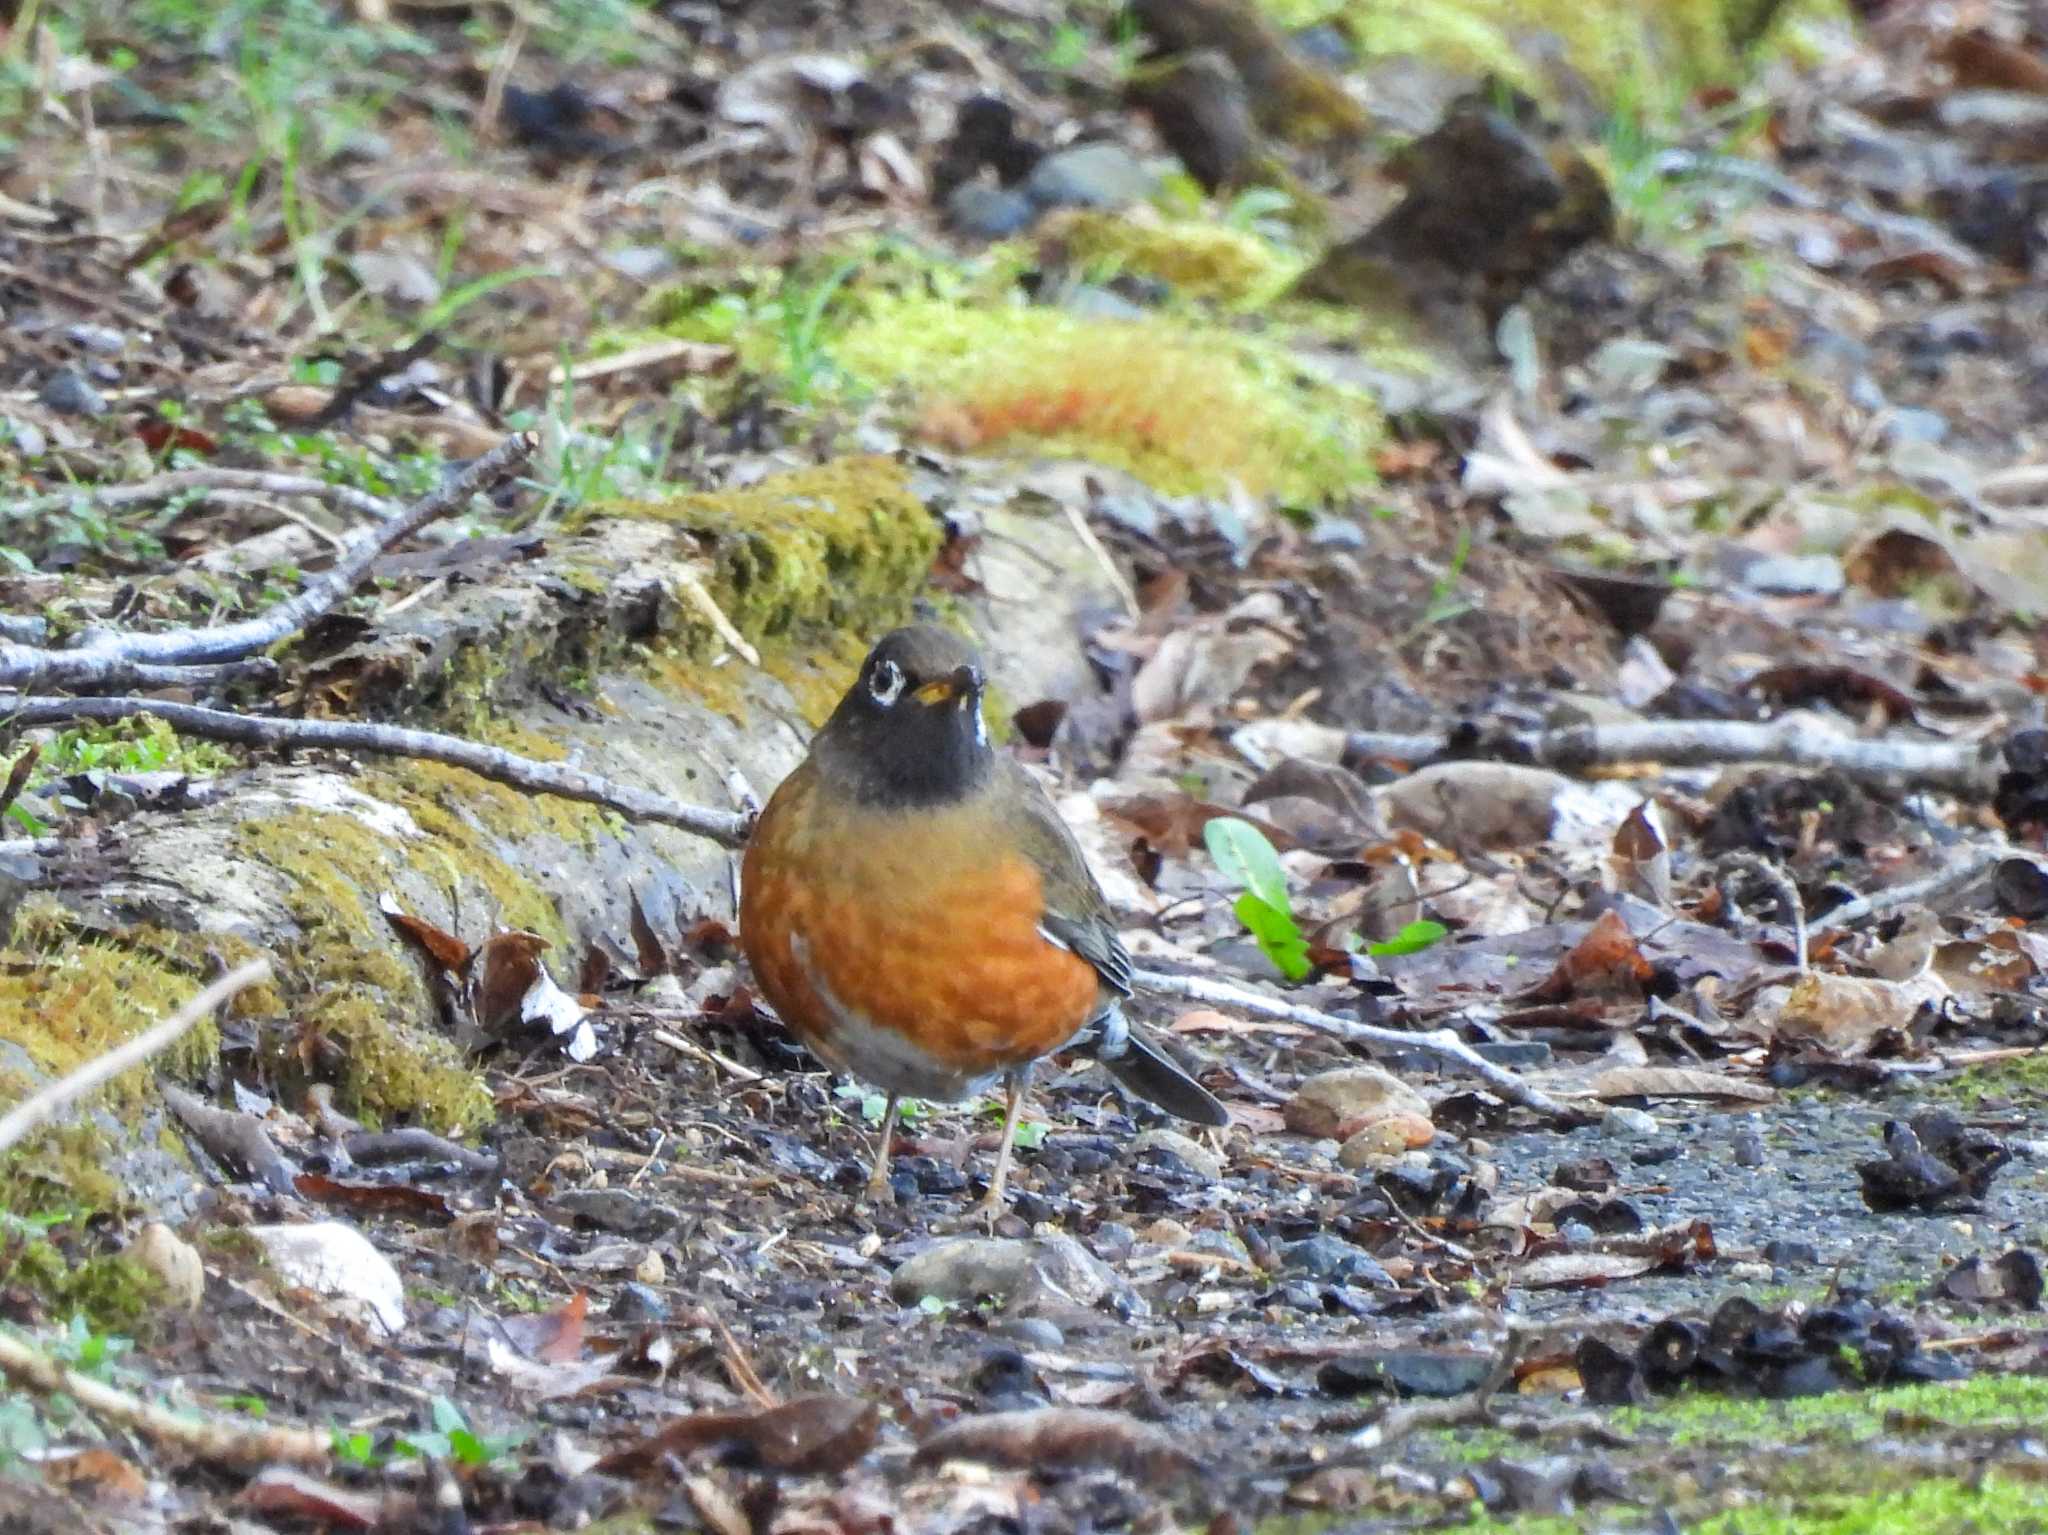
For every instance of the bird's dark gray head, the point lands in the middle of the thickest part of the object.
(910, 731)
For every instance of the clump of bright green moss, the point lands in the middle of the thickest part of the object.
(113, 1293)
(808, 551)
(1196, 258)
(1615, 44)
(1188, 408)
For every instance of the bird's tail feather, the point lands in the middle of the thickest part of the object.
(1147, 1070)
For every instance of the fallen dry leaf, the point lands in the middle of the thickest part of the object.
(1061, 1438)
(1846, 1014)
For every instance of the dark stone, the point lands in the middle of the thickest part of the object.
(989, 213)
(637, 1302)
(67, 393)
(1405, 1372)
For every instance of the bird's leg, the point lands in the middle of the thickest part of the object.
(879, 1190)
(1017, 1084)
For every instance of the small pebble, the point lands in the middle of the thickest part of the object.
(1627, 1122)
(1030, 1332)
(1748, 1146)
(67, 393)
(1575, 1234)
(638, 1303)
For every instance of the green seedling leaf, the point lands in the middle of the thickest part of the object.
(1279, 938)
(1411, 939)
(1246, 858)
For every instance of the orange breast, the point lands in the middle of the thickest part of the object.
(903, 947)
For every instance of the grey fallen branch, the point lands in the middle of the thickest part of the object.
(163, 487)
(103, 654)
(1440, 1043)
(500, 766)
(146, 674)
(235, 1140)
(1967, 768)
(59, 1095)
(1949, 883)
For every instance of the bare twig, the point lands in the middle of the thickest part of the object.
(1969, 768)
(17, 777)
(51, 1100)
(494, 763)
(235, 1139)
(1441, 1043)
(103, 652)
(1401, 1420)
(1923, 892)
(221, 1441)
(1790, 907)
(162, 487)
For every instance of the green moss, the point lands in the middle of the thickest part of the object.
(66, 1000)
(1919, 1505)
(2024, 1080)
(113, 1293)
(58, 1169)
(824, 548)
(352, 987)
(1197, 258)
(1189, 409)
(1615, 44)
(1842, 1417)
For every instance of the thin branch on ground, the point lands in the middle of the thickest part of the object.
(1922, 892)
(181, 482)
(102, 653)
(500, 766)
(204, 678)
(1790, 907)
(1440, 1043)
(234, 1139)
(1476, 1406)
(218, 1441)
(59, 1095)
(1967, 768)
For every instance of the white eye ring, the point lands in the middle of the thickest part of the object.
(885, 683)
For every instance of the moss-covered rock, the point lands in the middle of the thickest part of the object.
(814, 550)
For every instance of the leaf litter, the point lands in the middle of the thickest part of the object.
(1753, 447)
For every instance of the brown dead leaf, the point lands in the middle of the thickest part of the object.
(443, 948)
(362, 1198)
(1061, 1438)
(1173, 823)
(506, 988)
(1334, 788)
(1607, 962)
(294, 1494)
(1478, 804)
(96, 1472)
(17, 776)
(1846, 1014)
(823, 1432)
(1198, 668)
(1581, 1271)
(1641, 857)
(648, 952)
(1982, 61)
(1677, 1082)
